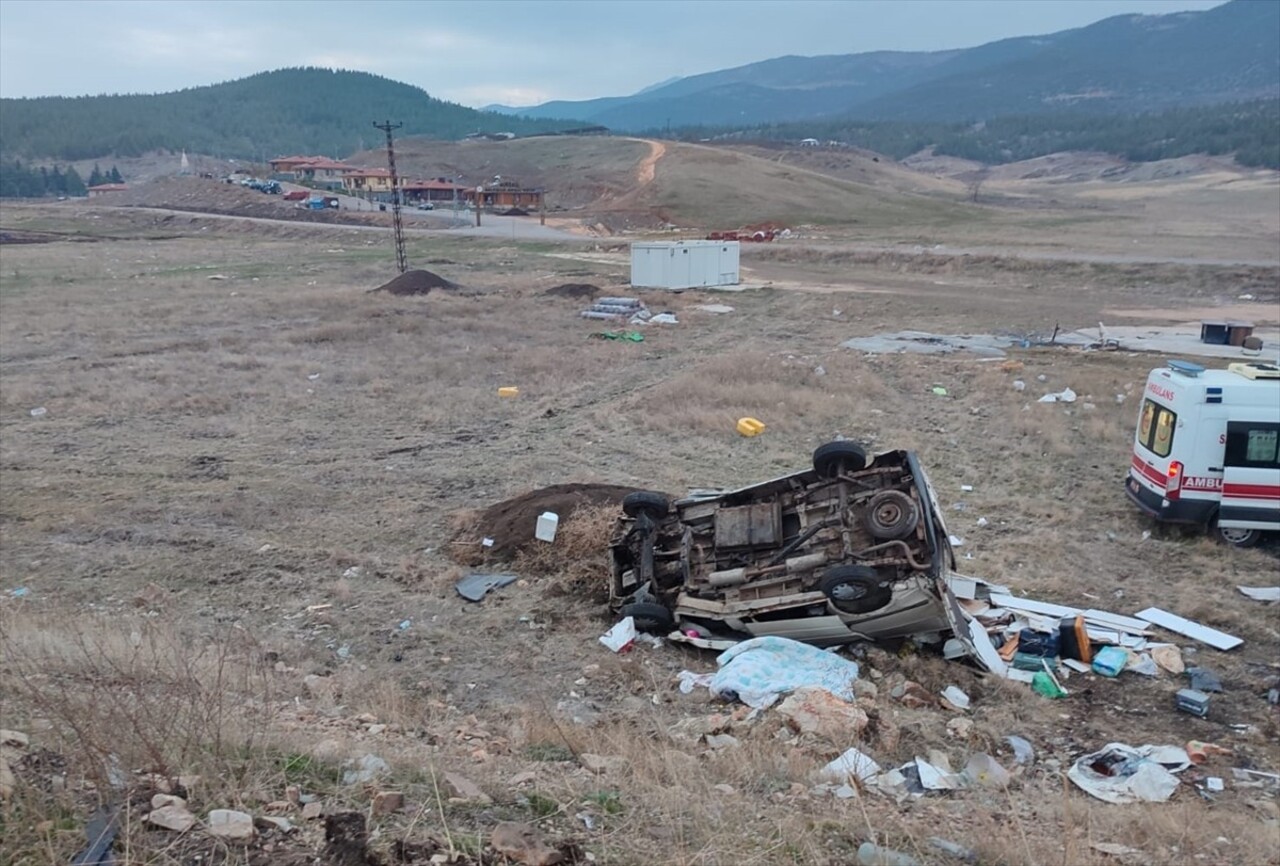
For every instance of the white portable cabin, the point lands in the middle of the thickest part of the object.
(1207, 449)
(684, 264)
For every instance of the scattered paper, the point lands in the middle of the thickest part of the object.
(956, 697)
(620, 636)
(852, 764)
(1122, 774)
(1261, 593)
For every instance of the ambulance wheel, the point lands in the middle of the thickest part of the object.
(891, 514)
(1237, 537)
(640, 502)
(649, 618)
(855, 589)
(839, 456)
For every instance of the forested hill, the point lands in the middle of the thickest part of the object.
(286, 111)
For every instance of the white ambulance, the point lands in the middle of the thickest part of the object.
(1207, 449)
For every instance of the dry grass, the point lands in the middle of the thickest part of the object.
(187, 446)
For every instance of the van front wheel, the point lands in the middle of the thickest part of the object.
(1237, 537)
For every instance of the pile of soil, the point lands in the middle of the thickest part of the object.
(576, 291)
(511, 523)
(514, 211)
(415, 282)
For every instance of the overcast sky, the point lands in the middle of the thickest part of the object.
(517, 52)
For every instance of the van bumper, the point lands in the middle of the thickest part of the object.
(1188, 511)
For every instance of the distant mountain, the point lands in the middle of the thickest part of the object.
(1125, 64)
(307, 110)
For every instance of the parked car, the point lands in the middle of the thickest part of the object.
(852, 548)
(426, 205)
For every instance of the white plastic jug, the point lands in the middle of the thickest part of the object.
(548, 523)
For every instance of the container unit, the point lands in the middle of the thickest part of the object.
(684, 264)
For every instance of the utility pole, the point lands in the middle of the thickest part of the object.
(386, 126)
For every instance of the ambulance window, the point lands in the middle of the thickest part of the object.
(1144, 425)
(1156, 428)
(1253, 445)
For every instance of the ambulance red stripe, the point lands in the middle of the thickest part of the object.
(1152, 474)
(1251, 491)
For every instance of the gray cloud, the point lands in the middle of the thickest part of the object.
(481, 52)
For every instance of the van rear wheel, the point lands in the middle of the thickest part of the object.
(1237, 537)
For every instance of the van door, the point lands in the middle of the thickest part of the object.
(1251, 477)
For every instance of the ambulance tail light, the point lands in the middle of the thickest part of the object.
(1173, 483)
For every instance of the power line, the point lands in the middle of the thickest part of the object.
(386, 126)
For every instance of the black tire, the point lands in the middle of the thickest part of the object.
(1241, 538)
(834, 457)
(891, 514)
(649, 617)
(645, 501)
(855, 589)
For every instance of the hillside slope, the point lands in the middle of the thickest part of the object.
(1128, 63)
(288, 110)
(691, 184)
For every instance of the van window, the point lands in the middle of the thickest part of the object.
(1253, 445)
(1156, 428)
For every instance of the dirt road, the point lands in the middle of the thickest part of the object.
(648, 167)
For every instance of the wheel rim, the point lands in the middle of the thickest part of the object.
(848, 592)
(887, 515)
(1235, 536)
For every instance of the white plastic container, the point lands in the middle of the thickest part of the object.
(548, 523)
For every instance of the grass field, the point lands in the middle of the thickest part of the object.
(249, 471)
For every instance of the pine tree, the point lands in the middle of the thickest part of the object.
(95, 176)
(75, 186)
(115, 175)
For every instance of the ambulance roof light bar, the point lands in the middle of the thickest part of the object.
(1186, 368)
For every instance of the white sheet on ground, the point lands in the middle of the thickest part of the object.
(760, 670)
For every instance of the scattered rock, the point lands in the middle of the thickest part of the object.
(368, 768)
(522, 779)
(723, 741)
(463, 788)
(601, 763)
(16, 739)
(387, 802)
(159, 801)
(865, 689)
(724, 788)
(293, 794)
(280, 806)
(271, 822)
(375, 730)
(914, 695)
(312, 810)
(230, 824)
(172, 817)
(960, 729)
(817, 711)
(320, 688)
(523, 844)
(328, 749)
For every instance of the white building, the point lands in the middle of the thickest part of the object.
(684, 264)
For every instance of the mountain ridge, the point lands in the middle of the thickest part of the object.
(1122, 64)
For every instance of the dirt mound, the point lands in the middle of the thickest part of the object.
(576, 291)
(514, 211)
(511, 523)
(415, 282)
